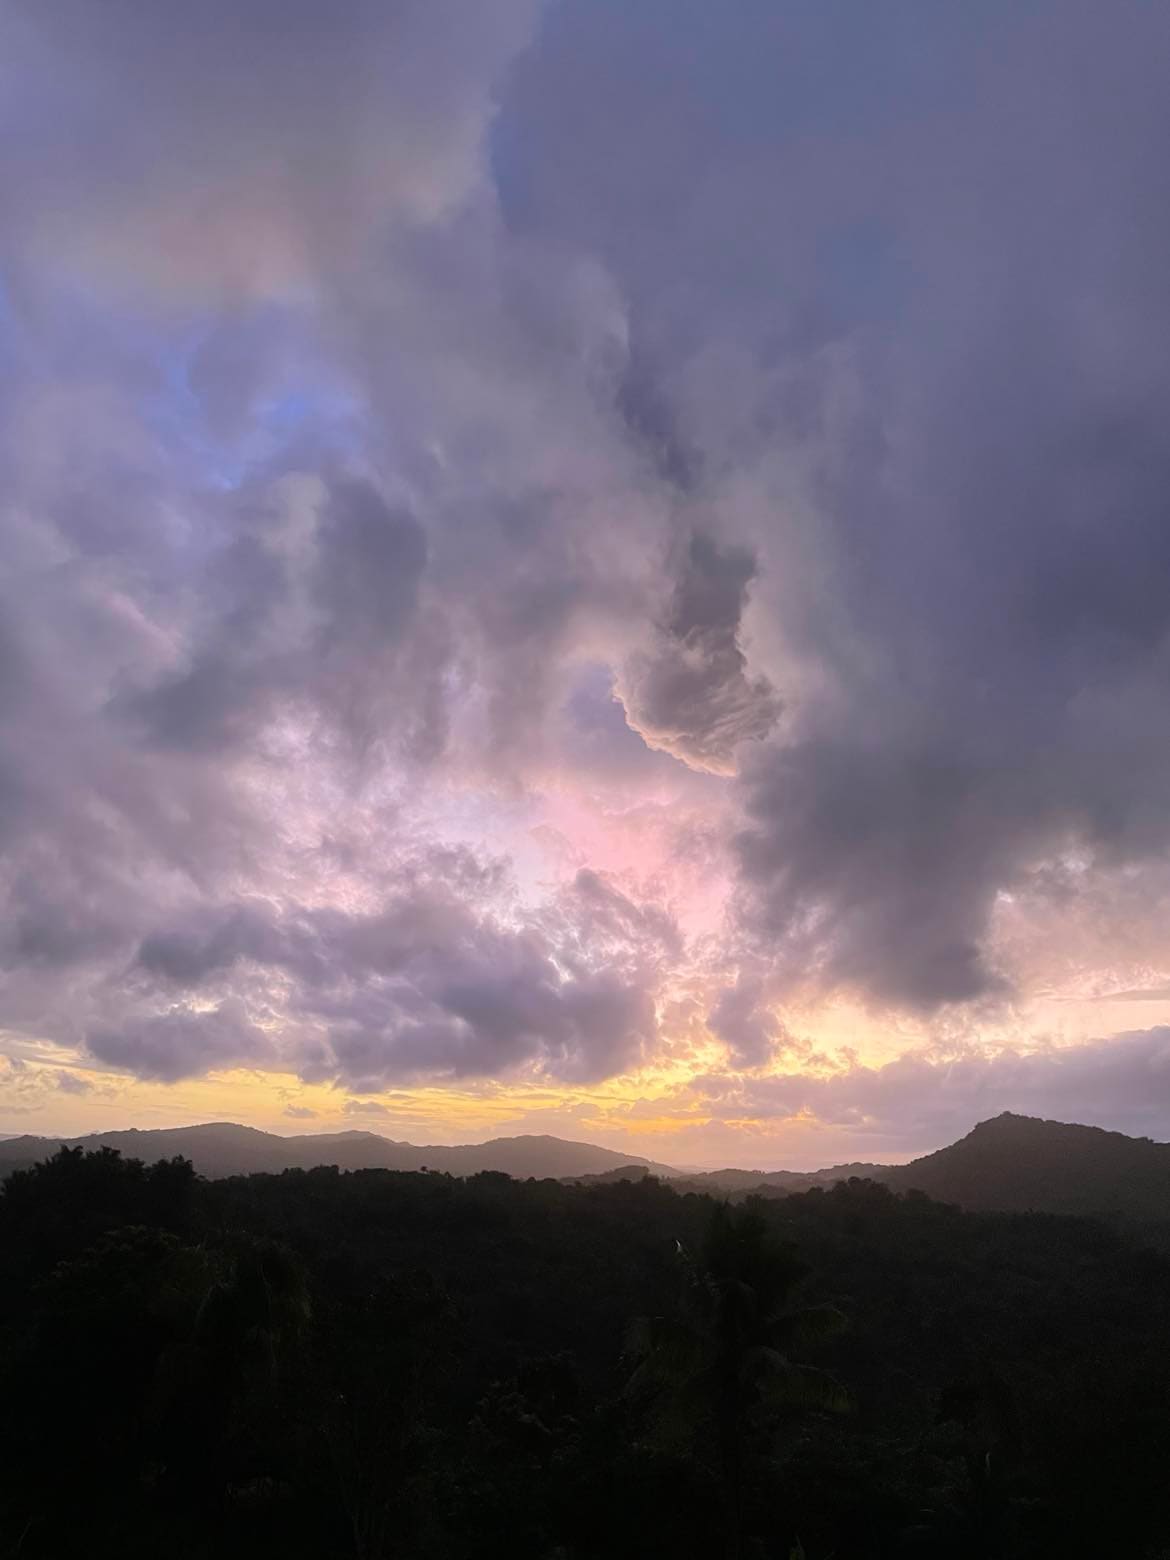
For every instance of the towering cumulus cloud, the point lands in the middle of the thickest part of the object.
(584, 557)
(691, 695)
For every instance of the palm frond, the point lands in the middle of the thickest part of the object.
(811, 1324)
(783, 1385)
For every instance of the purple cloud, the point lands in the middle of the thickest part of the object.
(409, 467)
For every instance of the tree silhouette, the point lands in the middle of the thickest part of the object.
(382, 1355)
(720, 1372)
(457, 1390)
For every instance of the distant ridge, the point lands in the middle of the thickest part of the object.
(1010, 1164)
(220, 1148)
(1017, 1163)
(779, 1183)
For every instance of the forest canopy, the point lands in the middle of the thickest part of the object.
(411, 1364)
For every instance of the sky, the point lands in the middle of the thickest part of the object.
(586, 567)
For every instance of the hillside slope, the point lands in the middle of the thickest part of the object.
(1016, 1163)
(777, 1183)
(224, 1148)
(1010, 1163)
(1007, 1164)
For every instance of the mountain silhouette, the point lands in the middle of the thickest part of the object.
(223, 1148)
(779, 1183)
(1010, 1163)
(1020, 1163)
(1007, 1164)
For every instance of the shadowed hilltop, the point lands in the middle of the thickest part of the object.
(1018, 1163)
(1010, 1163)
(1007, 1164)
(222, 1148)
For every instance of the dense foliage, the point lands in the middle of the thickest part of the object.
(387, 1364)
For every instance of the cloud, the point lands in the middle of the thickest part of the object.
(429, 985)
(317, 629)
(407, 463)
(212, 943)
(480, 1001)
(879, 867)
(1144, 994)
(264, 145)
(919, 1102)
(930, 412)
(72, 1083)
(364, 1108)
(300, 1112)
(692, 695)
(182, 1042)
(744, 1021)
(270, 586)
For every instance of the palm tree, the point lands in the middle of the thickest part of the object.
(719, 1375)
(222, 1397)
(385, 1350)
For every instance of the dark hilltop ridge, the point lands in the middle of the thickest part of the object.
(1010, 1163)
(223, 1148)
(1019, 1163)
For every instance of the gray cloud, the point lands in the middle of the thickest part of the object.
(183, 1042)
(920, 382)
(374, 408)
(430, 985)
(71, 1083)
(742, 1019)
(878, 867)
(692, 695)
(318, 628)
(919, 1102)
(264, 144)
(212, 941)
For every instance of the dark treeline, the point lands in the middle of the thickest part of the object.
(384, 1364)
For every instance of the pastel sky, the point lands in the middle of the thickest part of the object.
(596, 567)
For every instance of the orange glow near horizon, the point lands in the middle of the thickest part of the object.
(654, 1113)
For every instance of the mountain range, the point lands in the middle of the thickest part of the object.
(222, 1148)
(1009, 1163)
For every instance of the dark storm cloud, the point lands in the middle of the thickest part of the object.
(320, 631)
(692, 695)
(374, 404)
(182, 1042)
(429, 986)
(878, 866)
(215, 942)
(494, 1019)
(130, 807)
(901, 282)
